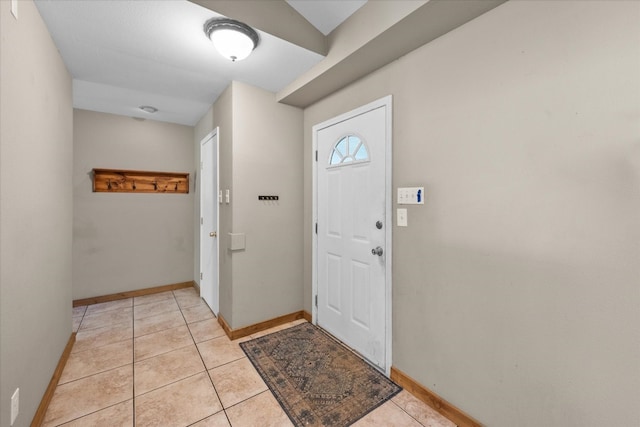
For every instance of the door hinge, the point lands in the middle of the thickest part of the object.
(316, 300)
(316, 155)
(316, 228)
(201, 220)
(200, 276)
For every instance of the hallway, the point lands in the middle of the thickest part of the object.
(163, 360)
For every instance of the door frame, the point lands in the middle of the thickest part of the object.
(216, 208)
(387, 103)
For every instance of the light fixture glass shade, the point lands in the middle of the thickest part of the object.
(234, 40)
(232, 44)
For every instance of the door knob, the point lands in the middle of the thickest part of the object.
(213, 234)
(377, 251)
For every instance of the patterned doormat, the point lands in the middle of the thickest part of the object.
(317, 381)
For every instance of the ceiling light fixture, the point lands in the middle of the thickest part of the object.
(233, 39)
(148, 109)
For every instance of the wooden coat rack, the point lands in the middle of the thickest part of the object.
(127, 181)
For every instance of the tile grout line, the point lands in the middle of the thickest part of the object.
(84, 313)
(89, 413)
(167, 329)
(133, 337)
(133, 362)
(171, 383)
(95, 373)
(268, 390)
(81, 319)
(163, 353)
(175, 300)
(173, 297)
(109, 324)
(98, 327)
(406, 412)
(161, 330)
(205, 369)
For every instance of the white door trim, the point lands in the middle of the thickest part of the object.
(216, 261)
(385, 102)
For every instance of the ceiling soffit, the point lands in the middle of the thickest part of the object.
(376, 35)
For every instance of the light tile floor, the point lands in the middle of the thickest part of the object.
(163, 360)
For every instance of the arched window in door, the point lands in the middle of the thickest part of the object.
(349, 149)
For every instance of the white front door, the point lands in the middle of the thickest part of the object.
(209, 220)
(354, 230)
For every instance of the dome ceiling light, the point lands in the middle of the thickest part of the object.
(233, 39)
(148, 109)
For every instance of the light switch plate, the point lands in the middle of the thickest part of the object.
(401, 216)
(411, 195)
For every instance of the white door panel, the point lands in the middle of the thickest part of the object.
(351, 191)
(209, 221)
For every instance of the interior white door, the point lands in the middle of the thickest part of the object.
(352, 230)
(209, 221)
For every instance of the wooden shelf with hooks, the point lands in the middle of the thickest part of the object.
(127, 181)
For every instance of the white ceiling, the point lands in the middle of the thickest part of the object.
(125, 54)
(326, 15)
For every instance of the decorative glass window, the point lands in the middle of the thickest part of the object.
(349, 149)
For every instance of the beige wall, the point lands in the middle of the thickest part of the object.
(260, 144)
(219, 115)
(516, 284)
(267, 160)
(223, 118)
(36, 125)
(125, 241)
